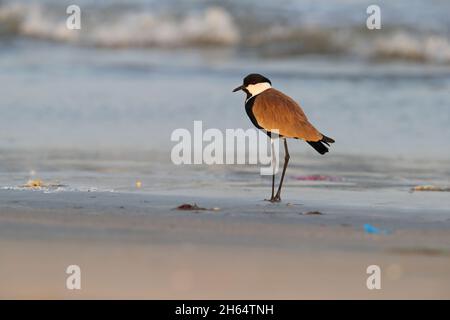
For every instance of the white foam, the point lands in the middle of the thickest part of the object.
(212, 26)
(432, 48)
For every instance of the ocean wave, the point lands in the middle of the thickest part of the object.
(30, 20)
(215, 26)
(212, 26)
(395, 43)
(401, 45)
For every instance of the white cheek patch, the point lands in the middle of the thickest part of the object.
(255, 89)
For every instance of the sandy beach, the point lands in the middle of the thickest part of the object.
(137, 246)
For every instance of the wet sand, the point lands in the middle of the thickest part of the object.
(132, 245)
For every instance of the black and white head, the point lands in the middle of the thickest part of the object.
(254, 84)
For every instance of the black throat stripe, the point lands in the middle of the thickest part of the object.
(249, 109)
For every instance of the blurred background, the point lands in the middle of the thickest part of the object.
(100, 103)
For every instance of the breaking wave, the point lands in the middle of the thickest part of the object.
(217, 26)
(212, 26)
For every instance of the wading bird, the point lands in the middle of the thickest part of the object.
(269, 110)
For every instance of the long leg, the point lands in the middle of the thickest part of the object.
(273, 187)
(286, 161)
(273, 172)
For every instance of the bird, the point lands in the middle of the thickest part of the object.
(270, 110)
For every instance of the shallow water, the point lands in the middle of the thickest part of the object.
(64, 96)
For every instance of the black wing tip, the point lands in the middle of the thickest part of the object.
(318, 146)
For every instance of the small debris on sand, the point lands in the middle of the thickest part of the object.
(370, 229)
(36, 183)
(187, 206)
(39, 184)
(431, 188)
(194, 207)
(318, 177)
(312, 213)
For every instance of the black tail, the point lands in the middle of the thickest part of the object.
(321, 146)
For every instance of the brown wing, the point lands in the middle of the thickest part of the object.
(274, 110)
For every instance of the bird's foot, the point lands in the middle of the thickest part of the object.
(273, 199)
